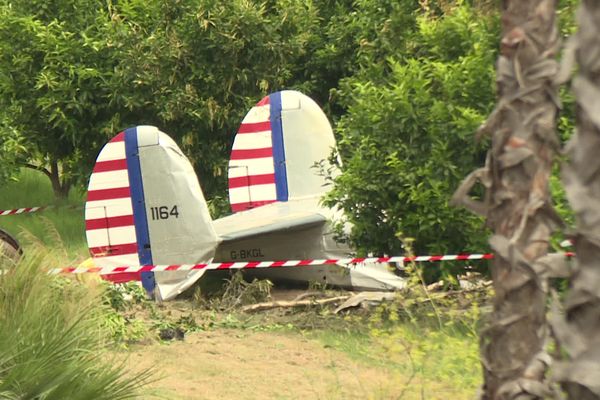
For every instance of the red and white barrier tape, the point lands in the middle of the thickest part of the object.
(267, 264)
(28, 210)
(22, 210)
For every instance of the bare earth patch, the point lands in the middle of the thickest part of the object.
(237, 364)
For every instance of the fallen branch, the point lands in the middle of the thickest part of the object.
(309, 294)
(294, 303)
(369, 298)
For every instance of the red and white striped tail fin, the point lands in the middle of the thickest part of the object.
(145, 206)
(110, 227)
(251, 166)
(275, 149)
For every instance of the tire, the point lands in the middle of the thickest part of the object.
(10, 250)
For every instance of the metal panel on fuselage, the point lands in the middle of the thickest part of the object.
(295, 245)
(301, 244)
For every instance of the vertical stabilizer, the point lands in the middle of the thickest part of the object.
(275, 149)
(145, 206)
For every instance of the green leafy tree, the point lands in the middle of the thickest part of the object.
(406, 136)
(55, 62)
(72, 75)
(10, 147)
(195, 67)
(352, 34)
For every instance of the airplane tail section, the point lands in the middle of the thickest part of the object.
(277, 144)
(145, 206)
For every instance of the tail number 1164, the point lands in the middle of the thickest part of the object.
(164, 212)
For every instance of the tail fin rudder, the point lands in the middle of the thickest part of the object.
(274, 151)
(145, 206)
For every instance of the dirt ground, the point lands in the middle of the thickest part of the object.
(237, 364)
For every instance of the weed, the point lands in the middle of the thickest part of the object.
(238, 292)
(316, 286)
(123, 330)
(123, 296)
(168, 330)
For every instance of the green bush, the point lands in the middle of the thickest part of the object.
(407, 139)
(51, 341)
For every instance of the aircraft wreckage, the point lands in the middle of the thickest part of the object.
(145, 205)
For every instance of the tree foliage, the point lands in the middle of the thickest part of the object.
(406, 139)
(55, 63)
(10, 146)
(74, 75)
(405, 83)
(194, 67)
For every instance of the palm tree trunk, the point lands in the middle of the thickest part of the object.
(516, 203)
(579, 332)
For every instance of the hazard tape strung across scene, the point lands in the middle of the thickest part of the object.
(28, 210)
(273, 264)
(248, 264)
(267, 264)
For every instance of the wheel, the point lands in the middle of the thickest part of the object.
(9, 248)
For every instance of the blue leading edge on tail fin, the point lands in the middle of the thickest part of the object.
(278, 147)
(139, 207)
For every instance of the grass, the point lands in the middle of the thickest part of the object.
(435, 363)
(52, 339)
(420, 357)
(33, 189)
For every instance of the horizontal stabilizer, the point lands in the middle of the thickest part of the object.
(286, 225)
